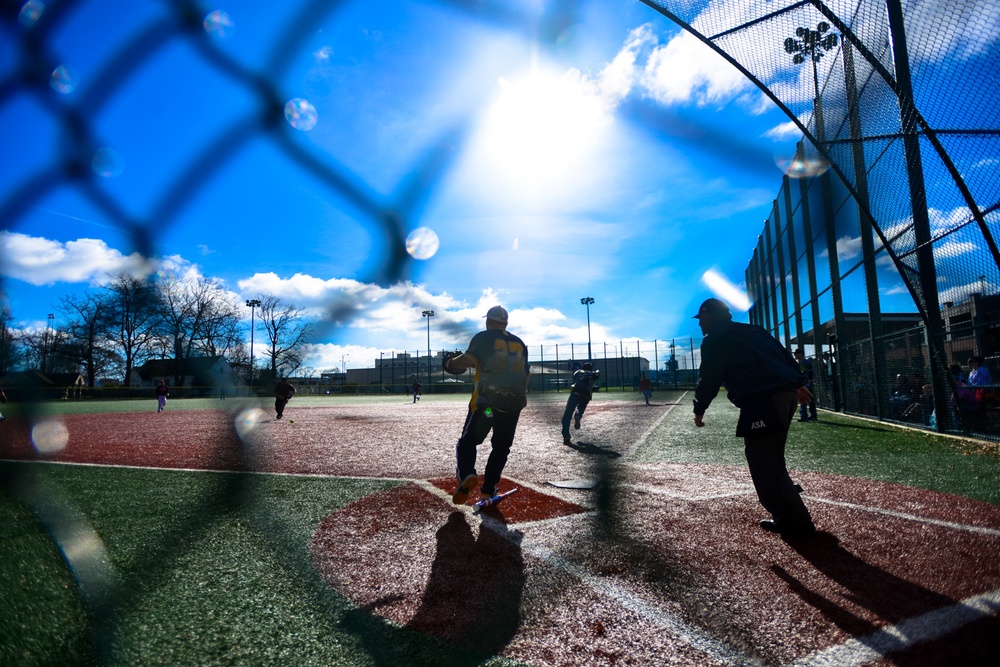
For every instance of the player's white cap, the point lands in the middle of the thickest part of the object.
(497, 314)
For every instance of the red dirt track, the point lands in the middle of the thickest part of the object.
(659, 564)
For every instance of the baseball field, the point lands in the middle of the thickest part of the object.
(212, 534)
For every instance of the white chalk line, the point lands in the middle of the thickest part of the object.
(932, 625)
(992, 532)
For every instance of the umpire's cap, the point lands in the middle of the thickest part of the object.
(713, 307)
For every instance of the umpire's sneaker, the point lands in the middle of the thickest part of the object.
(461, 495)
(790, 530)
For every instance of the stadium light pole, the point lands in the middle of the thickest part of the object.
(812, 44)
(428, 314)
(252, 304)
(587, 300)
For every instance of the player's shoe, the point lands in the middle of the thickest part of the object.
(567, 441)
(461, 495)
(576, 421)
(488, 493)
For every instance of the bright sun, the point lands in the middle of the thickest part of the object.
(544, 129)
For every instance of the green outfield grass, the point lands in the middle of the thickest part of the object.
(837, 445)
(213, 568)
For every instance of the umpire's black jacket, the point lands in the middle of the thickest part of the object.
(747, 360)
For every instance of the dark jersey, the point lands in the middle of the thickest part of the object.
(501, 370)
(747, 360)
(284, 390)
(583, 383)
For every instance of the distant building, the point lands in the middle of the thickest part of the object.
(38, 386)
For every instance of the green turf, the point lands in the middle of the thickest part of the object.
(838, 445)
(228, 585)
(212, 568)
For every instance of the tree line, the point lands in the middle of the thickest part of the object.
(107, 331)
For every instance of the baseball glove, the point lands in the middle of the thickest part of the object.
(444, 363)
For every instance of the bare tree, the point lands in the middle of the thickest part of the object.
(88, 346)
(41, 350)
(135, 320)
(286, 335)
(194, 315)
(8, 342)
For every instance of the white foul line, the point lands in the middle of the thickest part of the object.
(992, 532)
(926, 627)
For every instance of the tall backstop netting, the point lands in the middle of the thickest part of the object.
(879, 256)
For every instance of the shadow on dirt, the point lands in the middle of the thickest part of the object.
(890, 598)
(593, 450)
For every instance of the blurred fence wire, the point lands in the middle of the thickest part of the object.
(873, 121)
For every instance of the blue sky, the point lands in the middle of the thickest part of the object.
(529, 155)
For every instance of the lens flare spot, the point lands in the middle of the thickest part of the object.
(49, 436)
(422, 243)
(726, 290)
(802, 166)
(64, 79)
(219, 25)
(300, 114)
(107, 162)
(246, 422)
(31, 11)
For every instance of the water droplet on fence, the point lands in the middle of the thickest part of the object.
(422, 243)
(49, 436)
(31, 11)
(246, 421)
(219, 25)
(63, 80)
(107, 162)
(300, 114)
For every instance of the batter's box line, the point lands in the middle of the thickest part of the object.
(656, 491)
(979, 530)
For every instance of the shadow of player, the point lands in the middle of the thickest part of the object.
(473, 594)
(593, 450)
(888, 597)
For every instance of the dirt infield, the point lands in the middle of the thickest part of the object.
(652, 564)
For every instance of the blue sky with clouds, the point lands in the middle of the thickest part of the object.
(607, 155)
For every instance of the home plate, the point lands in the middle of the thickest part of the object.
(574, 483)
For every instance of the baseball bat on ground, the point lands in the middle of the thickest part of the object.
(489, 502)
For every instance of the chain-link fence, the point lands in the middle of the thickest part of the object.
(912, 138)
(879, 257)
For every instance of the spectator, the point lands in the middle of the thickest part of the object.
(979, 375)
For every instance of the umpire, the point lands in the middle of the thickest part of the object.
(764, 382)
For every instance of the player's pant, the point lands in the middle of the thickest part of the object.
(477, 427)
(808, 410)
(161, 403)
(766, 458)
(575, 403)
(279, 406)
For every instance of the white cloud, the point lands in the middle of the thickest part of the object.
(322, 54)
(686, 70)
(40, 261)
(952, 249)
(787, 131)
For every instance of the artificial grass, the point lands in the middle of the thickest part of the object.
(207, 569)
(212, 568)
(838, 445)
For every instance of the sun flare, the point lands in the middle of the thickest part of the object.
(544, 128)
